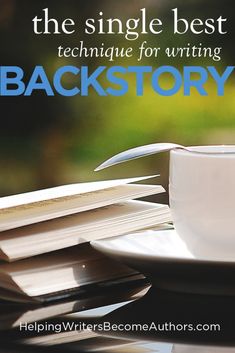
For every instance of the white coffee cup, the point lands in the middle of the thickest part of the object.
(202, 199)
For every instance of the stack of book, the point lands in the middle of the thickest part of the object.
(45, 234)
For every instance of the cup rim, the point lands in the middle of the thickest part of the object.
(208, 150)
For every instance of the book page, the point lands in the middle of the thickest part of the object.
(74, 229)
(37, 212)
(64, 191)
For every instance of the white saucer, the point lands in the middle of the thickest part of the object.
(163, 257)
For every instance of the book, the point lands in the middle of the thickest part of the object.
(50, 276)
(44, 239)
(81, 227)
(37, 206)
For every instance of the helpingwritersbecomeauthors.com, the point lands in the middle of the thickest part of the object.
(107, 326)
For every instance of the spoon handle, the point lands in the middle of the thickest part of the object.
(138, 152)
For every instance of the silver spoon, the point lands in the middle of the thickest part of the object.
(146, 150)
(138, 152)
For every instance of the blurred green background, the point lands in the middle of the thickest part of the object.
(48, 141)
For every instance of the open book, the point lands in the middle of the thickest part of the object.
(37, 206)
(81, 227)
(46, 235)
